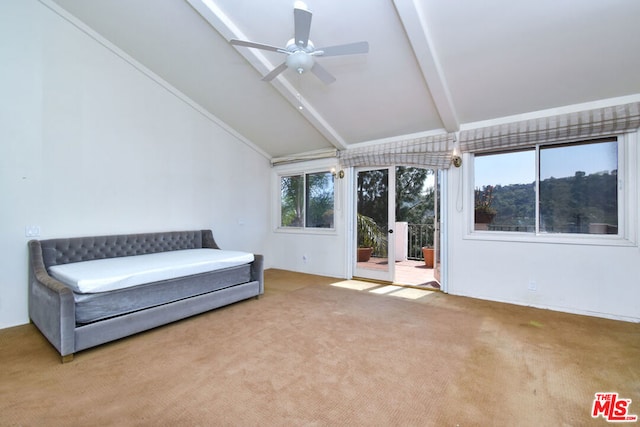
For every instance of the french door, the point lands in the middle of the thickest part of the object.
(375, 220)
(406, 252)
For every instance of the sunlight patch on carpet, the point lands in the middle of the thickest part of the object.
(358, 285)
(376, 288)
(410, 293)
(386, 289)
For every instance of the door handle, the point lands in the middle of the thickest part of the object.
(390, 231)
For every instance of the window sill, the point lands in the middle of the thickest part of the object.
(557, 239)
(308, 231)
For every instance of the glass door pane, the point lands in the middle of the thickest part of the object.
(374, 214)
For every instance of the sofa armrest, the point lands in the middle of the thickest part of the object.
(257, 270)
(51, 304)
(208, 241)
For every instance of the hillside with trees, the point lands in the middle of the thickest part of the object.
(567, 205)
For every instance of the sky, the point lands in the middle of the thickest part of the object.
(557, 162)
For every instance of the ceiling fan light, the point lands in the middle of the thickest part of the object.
(300, 61)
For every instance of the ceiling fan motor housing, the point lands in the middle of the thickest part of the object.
(300, 61)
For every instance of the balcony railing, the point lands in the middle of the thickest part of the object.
(419, 235)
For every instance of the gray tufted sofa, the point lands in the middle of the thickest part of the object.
(52, 307)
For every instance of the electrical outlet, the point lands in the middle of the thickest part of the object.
(532, 286)
(32, 231)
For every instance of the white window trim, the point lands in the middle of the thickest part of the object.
(302, 168)
(627, 206)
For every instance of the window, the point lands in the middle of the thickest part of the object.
(504, 197)
(306, 200)
(579, 188)
(291, 201)
(576, 184)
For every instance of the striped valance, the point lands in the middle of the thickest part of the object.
(306, 156)
(428, 152)
(562, 128)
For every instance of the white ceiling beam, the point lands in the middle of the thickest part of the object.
(412, 17)
(223, 24)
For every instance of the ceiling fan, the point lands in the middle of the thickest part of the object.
(300, 50)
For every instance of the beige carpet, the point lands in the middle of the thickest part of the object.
(309, 353)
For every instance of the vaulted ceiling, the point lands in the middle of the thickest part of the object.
(433, 65)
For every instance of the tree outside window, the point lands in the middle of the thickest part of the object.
(307, 200)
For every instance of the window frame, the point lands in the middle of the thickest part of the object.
(627, 200)
(297, 170)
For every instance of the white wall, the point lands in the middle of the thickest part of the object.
(91, 144)
(593, 279)
(322, 252)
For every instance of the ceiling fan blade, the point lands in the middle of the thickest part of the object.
(272, 75)
(257, 45)
(343, 49)
(302, 22)
(322, 73)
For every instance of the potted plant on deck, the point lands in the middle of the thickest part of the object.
(370, 238)
(427, 253)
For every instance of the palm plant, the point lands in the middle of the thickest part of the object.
(370, 235)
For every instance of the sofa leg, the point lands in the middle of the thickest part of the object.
(68, 358)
